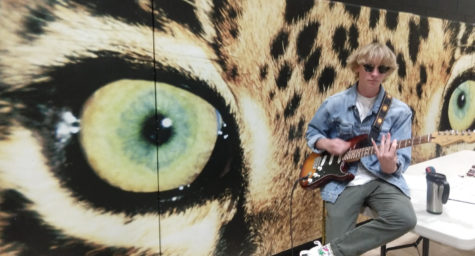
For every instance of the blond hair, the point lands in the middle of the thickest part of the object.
(373, 53)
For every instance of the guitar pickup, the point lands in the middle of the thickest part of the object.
(323, 160)
(316, 163)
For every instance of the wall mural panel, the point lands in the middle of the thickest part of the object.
(230, 86)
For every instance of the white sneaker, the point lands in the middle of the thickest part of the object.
(318, 250)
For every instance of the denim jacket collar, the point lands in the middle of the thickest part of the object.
(377, 103)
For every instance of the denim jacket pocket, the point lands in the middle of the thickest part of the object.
(345, 131)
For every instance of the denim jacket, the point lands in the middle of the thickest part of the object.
(338, 117)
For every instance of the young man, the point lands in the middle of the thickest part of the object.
(379, 181)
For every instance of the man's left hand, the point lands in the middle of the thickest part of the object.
(386, 153)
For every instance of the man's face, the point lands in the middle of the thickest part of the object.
(372, 73)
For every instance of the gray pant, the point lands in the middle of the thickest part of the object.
(395, 217)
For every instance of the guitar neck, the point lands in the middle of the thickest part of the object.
(356, 154)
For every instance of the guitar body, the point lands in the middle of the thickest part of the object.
(319, 169)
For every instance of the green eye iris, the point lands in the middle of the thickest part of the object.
(120, 139)
(461, 109)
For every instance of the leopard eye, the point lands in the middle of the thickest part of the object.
(121, 131)
(461, 108)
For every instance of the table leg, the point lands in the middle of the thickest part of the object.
(425, 246)
(383, 250)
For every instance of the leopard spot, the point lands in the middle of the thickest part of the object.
(297, 9)
(284, 76)
(422, 81)
(296, 157)
(353, 10)
(453, 30)
(354, 34)
(417, 32)
(263, 71)
(373, 18)
(232, 13)
(306, 38)
(292, 106)
(182, 12)
(424, 27)
(234, 73)
(464, 40)
(339, 39)
(36, 21)
(413, 114)
(271, 95)
(301, 125)
(296, 132)
(326, 79)
(311, 64)
(216, 48)
(414, 41)
(390, 45)
(234, 32)
(293, 134)
(402, 66)
(279, 44)
(391, 20)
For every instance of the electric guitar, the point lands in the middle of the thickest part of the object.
(319, 169)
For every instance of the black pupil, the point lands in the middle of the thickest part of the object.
(461, 100)
(157, 130)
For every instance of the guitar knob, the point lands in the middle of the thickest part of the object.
(309, 180)
(316, 175)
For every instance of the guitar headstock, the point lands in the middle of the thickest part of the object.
(445, 138)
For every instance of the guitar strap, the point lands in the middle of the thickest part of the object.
(383, 110)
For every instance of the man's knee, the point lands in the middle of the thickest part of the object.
(405, 220)
(411, 221)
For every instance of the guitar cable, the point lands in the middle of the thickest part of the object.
(290, 209)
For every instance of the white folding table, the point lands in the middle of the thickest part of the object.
(455, 227)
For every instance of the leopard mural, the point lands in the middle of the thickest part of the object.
(176, 127)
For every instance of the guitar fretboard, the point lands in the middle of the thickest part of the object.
(356, 154)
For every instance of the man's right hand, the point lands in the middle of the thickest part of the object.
(334, 146)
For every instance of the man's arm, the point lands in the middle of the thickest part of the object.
(318, 128)
(334, 146)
